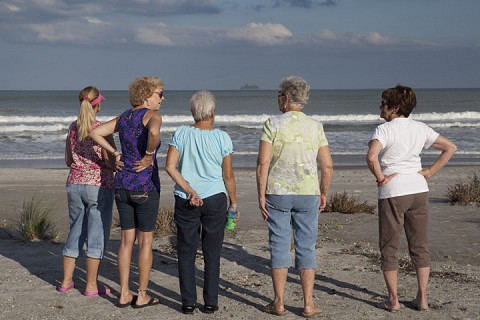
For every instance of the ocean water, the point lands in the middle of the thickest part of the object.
(33, 124)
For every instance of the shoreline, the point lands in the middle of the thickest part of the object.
(243, 162)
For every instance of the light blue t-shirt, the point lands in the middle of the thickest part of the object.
(201, 154)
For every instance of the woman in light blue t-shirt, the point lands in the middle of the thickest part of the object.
(199, 160)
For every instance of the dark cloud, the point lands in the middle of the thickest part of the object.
(306, 4)
(35, 12)
(258, 7)
(163, 7)
(329, 3)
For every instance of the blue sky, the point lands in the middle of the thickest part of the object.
(208, 44)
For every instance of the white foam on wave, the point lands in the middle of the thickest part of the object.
(255, 119)
(27, 128)
(455, 124)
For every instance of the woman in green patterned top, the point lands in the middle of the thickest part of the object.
(289, 193)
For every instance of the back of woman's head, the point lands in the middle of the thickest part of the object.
(297, 89)
(202, 105)
(87, 115)
(142, 88)
(402, 97)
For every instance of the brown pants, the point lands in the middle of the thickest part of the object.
(411, 213)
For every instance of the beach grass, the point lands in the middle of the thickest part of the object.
(349, 204)
(465, 193)
(165, 225)
(36, 220)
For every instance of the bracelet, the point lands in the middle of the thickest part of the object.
(149, 153)
(381, 181)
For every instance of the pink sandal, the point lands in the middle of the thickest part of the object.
(65, 290)
(100, 291)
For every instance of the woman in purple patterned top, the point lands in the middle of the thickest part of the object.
(137, 184)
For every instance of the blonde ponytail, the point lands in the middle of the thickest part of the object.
(87, 115)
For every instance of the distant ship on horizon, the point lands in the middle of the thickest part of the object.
(247, 86)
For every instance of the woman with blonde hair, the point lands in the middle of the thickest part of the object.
(90, 195)
(137, 183)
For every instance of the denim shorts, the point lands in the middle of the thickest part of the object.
(137, 209)
(90, 211)
(297, 212)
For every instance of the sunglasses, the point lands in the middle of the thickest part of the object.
(160, 94)
(281, 94)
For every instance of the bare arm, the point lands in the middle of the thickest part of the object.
(154, 123)
(374, 148)
(229, 179)
(108, 157)
(68, 152)
(100, 134)
(324, 159)
(263, 163)
(171, 169)
(448, 150)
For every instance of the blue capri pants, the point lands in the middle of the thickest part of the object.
(90, 211)
(300, 214)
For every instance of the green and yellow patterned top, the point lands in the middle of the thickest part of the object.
(295, 140)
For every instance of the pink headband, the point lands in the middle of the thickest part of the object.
(95, 101)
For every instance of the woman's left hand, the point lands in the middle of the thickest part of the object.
(323, 203)
(427, 173)
(143, 164)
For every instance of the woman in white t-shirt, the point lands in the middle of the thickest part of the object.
(394, 159)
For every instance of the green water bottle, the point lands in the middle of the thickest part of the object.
(231, 215)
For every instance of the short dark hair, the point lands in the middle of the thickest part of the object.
(402, 97)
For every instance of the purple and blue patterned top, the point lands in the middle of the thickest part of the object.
(133, 138)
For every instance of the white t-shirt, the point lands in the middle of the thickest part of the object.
(402, 141)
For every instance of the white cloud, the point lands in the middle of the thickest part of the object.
(50, 33)
(259, 33)
(152, 36)
(12, 7)
(330, 38)
(93, 20)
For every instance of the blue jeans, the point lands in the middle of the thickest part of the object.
(137, 209)
(90, 211)
(209, 221)
(299, 212)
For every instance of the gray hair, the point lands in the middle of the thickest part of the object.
(202, 105)
(297, 89)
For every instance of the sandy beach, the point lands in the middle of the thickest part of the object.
(348, 283)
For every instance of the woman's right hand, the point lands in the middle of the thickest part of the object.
(195, 199)
(263, 208)
(387, 179)
(118, 162)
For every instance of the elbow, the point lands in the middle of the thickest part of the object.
(328, 167)
(93, 135)
(169, 168)
(453, 148)
(371, 158)
(154, 134)
(228, 175)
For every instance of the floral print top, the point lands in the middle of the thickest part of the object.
(295, 140)
(133, 138)
(88, 165)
